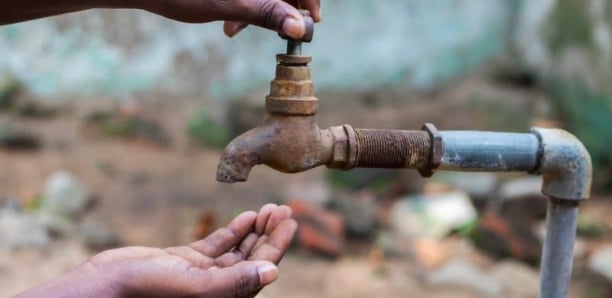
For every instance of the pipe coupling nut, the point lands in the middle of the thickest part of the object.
(344, 155)
(437, 150)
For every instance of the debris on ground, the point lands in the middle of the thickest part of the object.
(319, 230)
(13, 138)
(434, 215)
(479, 186)
(463, 274)
(65, 195)
(377, 180)
(314, 191)
(600, 262)
(502, 237)
(359, 212)
(354, 278)
(500, 280)
(429, 253)
(517, 279)
(57, 225)
(33, 221)
(205, 225)
(520, 187)
(97, 236)
(20, 229)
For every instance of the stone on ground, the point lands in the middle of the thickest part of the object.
(65, 195)
(21, 230)
(434, 215)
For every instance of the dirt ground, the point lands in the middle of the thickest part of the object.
(153, 196)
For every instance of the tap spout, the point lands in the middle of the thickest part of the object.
(288, 144)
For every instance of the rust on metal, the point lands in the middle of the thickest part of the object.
(290, 141)
(340, 150)
(435, 157)
(352, 147)
(292, 90)
(293, 60)
(383, 148)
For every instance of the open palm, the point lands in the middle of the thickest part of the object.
(234, 261)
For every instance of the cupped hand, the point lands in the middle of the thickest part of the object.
(234, 261)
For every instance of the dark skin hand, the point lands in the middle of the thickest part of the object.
(281, 16)
(234, 261)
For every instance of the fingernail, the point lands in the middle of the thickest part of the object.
(267, 273)
(293, 27)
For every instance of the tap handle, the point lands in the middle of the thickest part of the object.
(294, 46)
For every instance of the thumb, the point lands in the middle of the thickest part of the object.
(239, 280)
(276, 15)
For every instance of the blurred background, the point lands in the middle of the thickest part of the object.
(112, 124)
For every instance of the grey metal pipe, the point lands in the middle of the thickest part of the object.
(489, 151)
(566, 169)
(566, 165)
(557, 253)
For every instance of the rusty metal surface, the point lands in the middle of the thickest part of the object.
(301, 107)
(293, 60)
(437, 149)
(340, 151)
(289, 140)
(292, 90)
(382, 148)
(352, 147)
(565, 165)
(288, 144)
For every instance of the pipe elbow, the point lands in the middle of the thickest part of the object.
(565, 165)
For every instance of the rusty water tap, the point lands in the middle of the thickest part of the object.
(289, 140)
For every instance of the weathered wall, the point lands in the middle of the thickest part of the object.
(569, 44)
(360, 44)
(569, 39)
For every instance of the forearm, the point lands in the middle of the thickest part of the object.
(13, 11)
